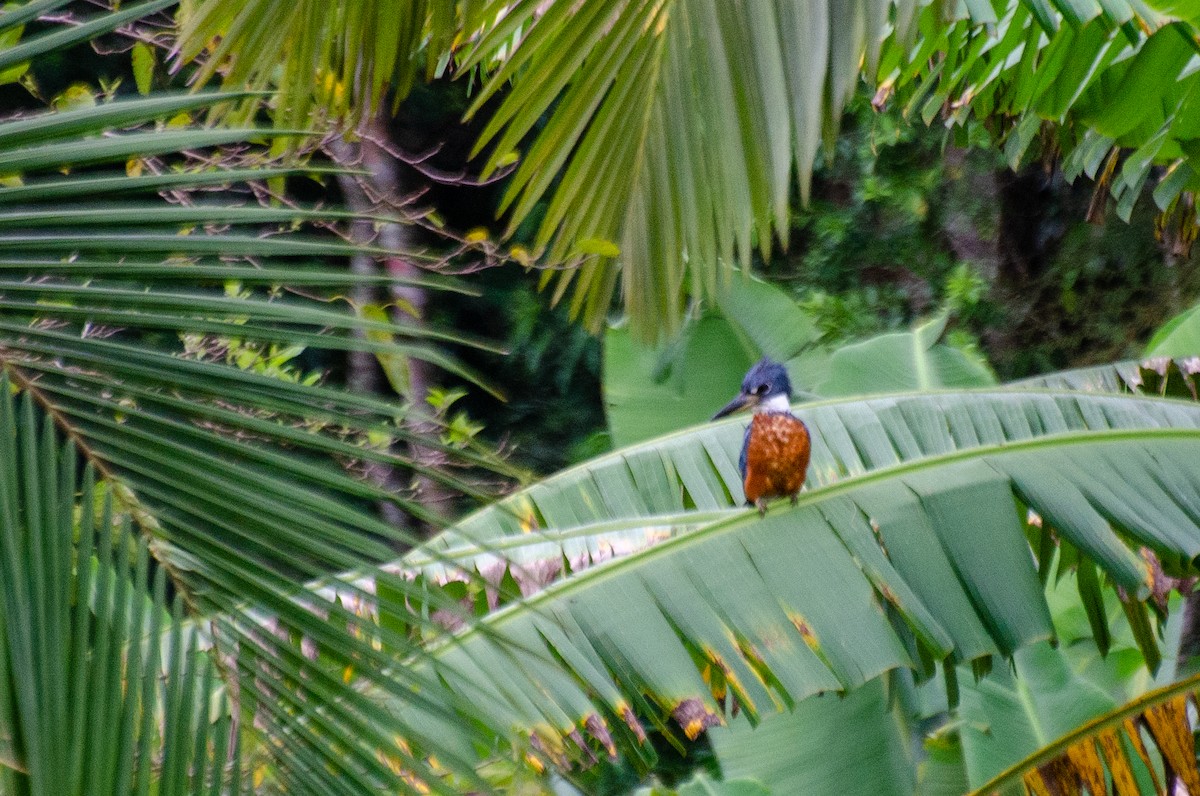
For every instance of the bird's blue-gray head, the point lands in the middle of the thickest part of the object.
(766, 388)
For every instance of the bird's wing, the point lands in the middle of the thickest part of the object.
(742, 457)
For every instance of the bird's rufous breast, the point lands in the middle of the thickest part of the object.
(777, 454)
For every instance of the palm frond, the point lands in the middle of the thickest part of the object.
(672, 133)
(102, 686)
(155, 336)
(805, 751)
(1163, 376)
(340, 59)
(63, 36)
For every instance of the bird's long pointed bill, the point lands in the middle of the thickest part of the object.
(741, 402)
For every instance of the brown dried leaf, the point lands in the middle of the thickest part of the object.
(1034, 784)
(1168, 723)
(1089, 769)
(631, 721)
(1135, 736)
(598, 729)
(1060, 778)
(1119, 765)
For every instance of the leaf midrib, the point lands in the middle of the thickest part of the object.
(986, 392)
(616, 566)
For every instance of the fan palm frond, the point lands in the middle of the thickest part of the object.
(153, 338)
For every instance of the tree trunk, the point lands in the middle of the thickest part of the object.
(381, 189)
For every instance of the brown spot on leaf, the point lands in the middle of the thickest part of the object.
(694, 718)
(589, 757)
(1161, 584)
(542, 746)
(806, 631)
(626, 713)
(1052, 779)
(878, 536)
(598, 729)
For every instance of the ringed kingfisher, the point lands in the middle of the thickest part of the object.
(777, 446)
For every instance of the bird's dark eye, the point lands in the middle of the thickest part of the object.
(760, 389)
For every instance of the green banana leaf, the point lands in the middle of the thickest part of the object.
(1178, 337)
(649, 392)
(653, 390)
(903, 361)
(850, 744)
(1007, 716)
(907, 547)
(703, 785)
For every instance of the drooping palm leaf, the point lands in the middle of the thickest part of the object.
(62, 36)
(853, 744)
(907, 548)
(674, 128)
(1158, 376)
(104, 690)
(672, 134)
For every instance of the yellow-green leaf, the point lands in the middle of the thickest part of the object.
(143, 67)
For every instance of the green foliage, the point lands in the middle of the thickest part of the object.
(157, 342)
(105, 688)
(1031, 285)
(459, 428)
(916, 546)
(702, 785)
(655, 584)
(1178, 337)
(869, 251)
(551, 415)
(1090, 81)
(649, 392)
(1009, 715)
(329, 59)
(645, 95)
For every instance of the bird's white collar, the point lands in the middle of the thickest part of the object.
(776, 403)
